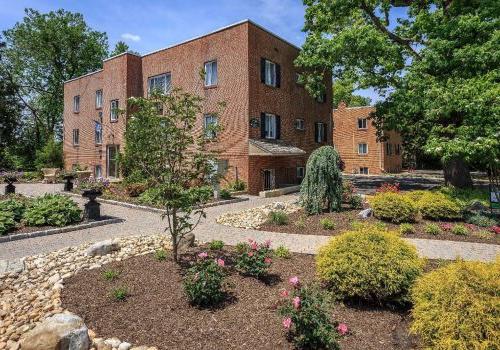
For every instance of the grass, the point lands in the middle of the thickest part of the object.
(110, 274)
(278, 217)
(120, 294)
(216, 245)
(161, 255)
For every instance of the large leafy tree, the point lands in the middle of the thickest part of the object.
(435, 62)
(343, 91)
(43, 51)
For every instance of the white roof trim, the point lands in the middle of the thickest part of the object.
(357, 107)
(85, 75)
(121, 54)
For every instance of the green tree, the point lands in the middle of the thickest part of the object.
(120, 47)
(343, 91)
(322, 185)
(162, 145)
(50, 156)
(43, 51)
(437, 66)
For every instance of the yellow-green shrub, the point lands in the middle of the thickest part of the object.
(457, 307)
(369, 263)
(438, 206)
(415, 196)
(393, 207)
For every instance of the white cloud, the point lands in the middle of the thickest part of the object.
(132, 37)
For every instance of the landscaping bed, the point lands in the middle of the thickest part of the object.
(157, 306)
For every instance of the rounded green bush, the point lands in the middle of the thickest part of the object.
(437, 206)
(456, 307)
(393, 207)
(370, 264)
(16, 205)
(52, 210)
(7, 222)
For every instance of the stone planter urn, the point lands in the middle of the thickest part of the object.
(68, 184)
(10, 188)
(92, 207)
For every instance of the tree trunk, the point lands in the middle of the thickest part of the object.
(457, 174)
(175, 241)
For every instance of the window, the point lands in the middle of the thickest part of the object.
(211, 73)
(270, 73)
(76, 104)
(112, 160)
(299, 124)
(114, 110)
(210, 122)
(98, 133)
(398, 149)
(363, 170)
(362, 123)
(300, 172)
(98, 99)
(320, 132)
(76, 137)
(159, 84)
(388, 149)
(362, 148)
(97, 171)
(270, 126)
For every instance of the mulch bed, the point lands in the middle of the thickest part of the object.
(300, 223)
(157, 313)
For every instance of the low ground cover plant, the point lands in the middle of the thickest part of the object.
(216, 245)
(254, 259)
(237, 185)
(278, 217)
(14, 204)
(393, 207)
(161, 255)
(225, 194)
(52, 210)
(120, 293)
(327, 223)
(456, 306)
(7, 222)
(406, 229)
(432, 229)
(481, 220)
(460, 230)
(282, 252)
(437, 206)
(110, 274)
(204, 281)
(370, 264)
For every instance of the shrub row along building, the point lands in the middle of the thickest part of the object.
(270, 123)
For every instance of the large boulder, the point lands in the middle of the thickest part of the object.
(103, 248)
(61, 331)
(186, 242)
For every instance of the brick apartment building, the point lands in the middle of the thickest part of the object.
(270, 123)
(354, 137)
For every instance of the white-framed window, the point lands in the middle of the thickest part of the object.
(98, 133)
(362, 148)
(320, 132)
(159, 84)
(364, 170)
(299, 124)
(114, 105)
(270, 126)
(300, 172)
(209, 123)
(76, 137)
(211, 73)
(362, 123)
(97, 171)
(269, 73)
(98, 99)
(76, 104)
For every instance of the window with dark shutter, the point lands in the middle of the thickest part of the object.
(316, 132)
(262, 70)
(278, 127)
(263, 125)
(278, 75)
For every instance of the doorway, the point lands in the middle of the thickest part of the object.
(268, 179)
(112, 160)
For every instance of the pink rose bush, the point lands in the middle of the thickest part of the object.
(254, 259)
(306, 316)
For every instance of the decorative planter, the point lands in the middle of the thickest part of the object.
(68, 184)
(10, 188)
(83, 174)
(92, 207)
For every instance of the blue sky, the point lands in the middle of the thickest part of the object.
(150, 25)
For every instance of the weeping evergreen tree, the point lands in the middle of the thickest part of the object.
(322, 185)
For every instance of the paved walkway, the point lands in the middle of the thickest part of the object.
(142, 222)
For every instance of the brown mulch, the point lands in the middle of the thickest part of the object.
(300, 223)
(157, 313)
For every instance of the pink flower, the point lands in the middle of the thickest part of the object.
(220, 262)
(342, 329)
(287, 322)
(250, 254)
(284, 293)
(268, 260)
(296, 302)
(267, 243)
(254, 245)
(495, 229)
(446, 226)
(294, 281)
(202, 255)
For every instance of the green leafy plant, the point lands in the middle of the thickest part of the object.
(456, 306)
(460, 230)
(369, 264)
(120, 293)
(356, 201)
(224, 194)
(432, 229)
(151, 196)
(393, 207)
(357, 225)
(406, 229)
(282, 252)
(161, 255)
(241, 247)
(255, 259)
(237, 185)
(306, 316)
(437, 206)
(110, 274)
(53, 210)
(322, 185)
(481, 220)
(7, 222)
(278, 217)
(216, 245)
(14, 204)
(327, 223)
(204, 281)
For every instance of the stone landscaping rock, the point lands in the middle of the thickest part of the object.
(366, 213)
(186, 241)
(61, 331)
(103, 248)
(114, 342)
(124, 346)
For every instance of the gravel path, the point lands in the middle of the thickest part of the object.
(141, 222)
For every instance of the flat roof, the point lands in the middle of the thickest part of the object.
(192, 39)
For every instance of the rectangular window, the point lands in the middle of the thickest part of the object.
(159, 84)
(76, 137)
(210, 122)
(362, 148)
(362, 123)
(98, 99)
(270, 126)
(270, 73)
(98, 133)
(112, 160)
(114, 110)
(76, 104)
(320, 132)
(211, 73)
(299, 124)
(97, 171)
(363, 170)
(300, 172)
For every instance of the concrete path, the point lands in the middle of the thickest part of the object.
(139, 222)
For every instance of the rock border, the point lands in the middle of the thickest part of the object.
(53, 231)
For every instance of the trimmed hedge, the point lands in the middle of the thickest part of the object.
(52, 210)
(393, 207)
